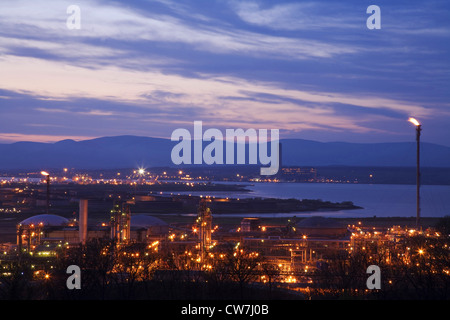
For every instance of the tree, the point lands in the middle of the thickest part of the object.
(443, 226)
(241, 266)
(18, 285)
(133, 263)
(270, 272)
(96, 260)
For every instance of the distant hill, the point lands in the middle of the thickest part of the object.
(134, 151)
(401, 154)
(100, 153)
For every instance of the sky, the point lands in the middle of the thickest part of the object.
(312, 69)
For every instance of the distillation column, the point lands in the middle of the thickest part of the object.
(204, 220)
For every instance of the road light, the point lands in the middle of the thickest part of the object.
(141, 176)
(418, 130)
(47, 175)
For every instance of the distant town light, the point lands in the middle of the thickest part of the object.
(45, 173)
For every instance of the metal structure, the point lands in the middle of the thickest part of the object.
(204, 221)
(47, 179)
(418, 131)
(120, 222)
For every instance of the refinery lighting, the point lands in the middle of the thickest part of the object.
(141, 171)
(45, 173)
(414, 121)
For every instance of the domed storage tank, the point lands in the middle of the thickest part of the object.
(50, 220)
(153, 225)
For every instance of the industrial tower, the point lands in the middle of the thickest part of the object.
(204, 221)
(120, 222)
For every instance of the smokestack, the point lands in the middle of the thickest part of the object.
(82, 223)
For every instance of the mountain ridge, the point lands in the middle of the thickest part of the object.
(132, 151)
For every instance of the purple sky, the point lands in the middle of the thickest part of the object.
(309, 68)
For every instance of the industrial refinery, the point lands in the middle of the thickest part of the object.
(296, 250)
(173, 237)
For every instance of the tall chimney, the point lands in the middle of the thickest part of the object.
(82, 223)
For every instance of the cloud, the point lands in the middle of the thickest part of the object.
(171, 96)
(296, 16)
(87, 113)
(114, 22)
(288, 65)
(18, 137)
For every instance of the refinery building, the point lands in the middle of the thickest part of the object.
(291, 248)
(56, 230)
